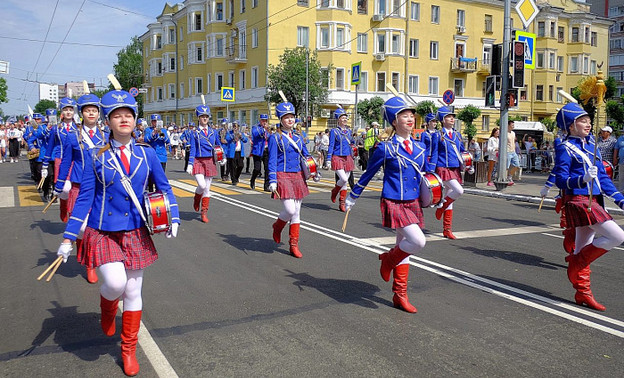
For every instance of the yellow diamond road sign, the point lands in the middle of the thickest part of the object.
(527, 10)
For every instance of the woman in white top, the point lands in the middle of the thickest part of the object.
(3, 143)
(492, 153)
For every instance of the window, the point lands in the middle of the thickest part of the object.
(362, 6)
(218, 82)
(541, 29)
(340, 38)
(592, 67)
(199, 56)
(171, 36)
(159, 67)
(433, 85)
(396, 41)
(242, 6)
(433, 50)
(558, 96)
(181, 34)
(325, 77)
(381, 81)
(172, 65)
(219, 11)
(158, 42)
(181, 90)
(551, 89)
(594, 39)
(231, 79)
(171, 91)
(587, 34)
(325, 3)
(560, 63)
(340, 4)
(412, 83)
(381, 5)
(413, 48)
(197, 22)
(219, 45)
(325, 37)
(458, 87)
(396, 7)
(551, 60)
(552, 29)
(254, 77)
(301, 3)
(254, 3)
(435, 14)
(414, 11)
(340, 79)
(488, 23)
(461, 18)
(303, 36)
(539, 93)
(160, 94)
(540, 59)
(485, 123)
(363, 86)
(560, 34)
(381, 42)
(395, 81)
(199, 85)
(254, 38)
(362, 42)
(585, 65)
(241, 79)
(487, 54)
(575, 34)
(574, 64)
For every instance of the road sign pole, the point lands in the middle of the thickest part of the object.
(501, 179)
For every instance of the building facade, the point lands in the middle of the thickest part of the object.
(76, 88)
(616, 46)
(422, 48)
(48, 92)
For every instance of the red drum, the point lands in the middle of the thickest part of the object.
(467, 158)
(355, 151)
(308, 166)
(218, 154)
(608, 168)
(431, 190)
(157, 212)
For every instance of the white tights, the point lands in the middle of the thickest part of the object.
(120, 282)
(453, 190)
(203, 185)
(611, 235)
(292, 210)
(343, 179)
(410, 239)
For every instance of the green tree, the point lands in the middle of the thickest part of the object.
(43, 105)
(425, 107)
(3, 90)
(129, 68)
(468, 115)
(289, 76)
(371, 109)
(514, 118)
(99, 92)
(549, 124)
(615, 111)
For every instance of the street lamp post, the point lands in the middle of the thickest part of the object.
(177, 62)
(501, 179)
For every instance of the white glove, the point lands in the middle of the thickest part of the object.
(349, 202)
(223, 162)
(544, 191)
(272, 187)
(317, 177)
(62, 195)
(592, 173)
(65, 250)
(44, 172)
(471, 170)
(173, 231)
(189, 169)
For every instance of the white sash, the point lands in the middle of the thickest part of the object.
(87, 139)
(584, 156)
(127, 185)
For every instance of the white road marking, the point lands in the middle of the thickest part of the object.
(561, 237)
(7, 196)
(456, 275)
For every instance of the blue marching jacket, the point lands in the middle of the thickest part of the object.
(56, 141)
(157, 141)
(259, 138)
(401, 181)
(231, 144)
(103, 197)
(340, 142)
(77, 150)
(570, 167)
(426, 138)
(283, 156)
(39, 139)
(202, 145)
(442, 152)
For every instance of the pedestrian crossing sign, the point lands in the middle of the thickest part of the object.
(227, 94)
(356, 70)
(529, 49)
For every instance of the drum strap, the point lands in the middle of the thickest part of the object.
(584, 156)
(452, 142)
(126, 183)
(295, 145)
(402, 159)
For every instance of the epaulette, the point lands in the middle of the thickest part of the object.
(143, 144)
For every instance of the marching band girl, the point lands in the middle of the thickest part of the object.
(403, 160)
(116, 240)
(286, 179)
(340, 154)
(427, 135)
(446, 157)
(596, 232)
(259, 150)
(77, 150)
(202, 160)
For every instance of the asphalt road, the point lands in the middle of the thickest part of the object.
(224, 300)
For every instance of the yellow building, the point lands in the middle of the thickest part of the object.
(423, 49)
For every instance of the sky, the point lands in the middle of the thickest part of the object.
(93, 30)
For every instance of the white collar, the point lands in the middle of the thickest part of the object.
(117, 145)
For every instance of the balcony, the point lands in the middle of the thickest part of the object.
(461, 64)
(484, 67)
(236, 54)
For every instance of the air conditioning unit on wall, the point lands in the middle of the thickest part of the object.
(461, 29)
(380, 57)
(325, 113)
(378, 17)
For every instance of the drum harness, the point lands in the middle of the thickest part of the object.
(125, 182)
(206, 138)
(452, 141)
(317, 177)
(572, 148)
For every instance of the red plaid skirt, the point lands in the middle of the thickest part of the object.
(134, 248)
(291, 185)
(205, 166)
(395, 214)
(448, 174)
(73, 195)
(342, 162)
(57, 167)
(577, 215)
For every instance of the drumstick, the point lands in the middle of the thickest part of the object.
(346, 218)
(45, 209)
(539, 209)
(55, 262)
(276, 194)
(41, 183)
(55, 268)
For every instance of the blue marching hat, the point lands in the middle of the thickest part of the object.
(568, 114)
(140, 121)
(37, 116)
(339, 112)
(202, 110)
(284, 108)
(443, 112)
(88, 99)
(225, 120)
(264, 116)
(192, 124)
(429, 117)
(50, 112)
(65, 102)
(155, 117)
(393, 106)
(118, 99)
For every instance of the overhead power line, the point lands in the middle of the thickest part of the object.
(57, 42)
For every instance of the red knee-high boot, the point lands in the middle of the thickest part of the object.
(294, 240)
(399, 288)
(447, 202)
(343, 197)
(569, 239)
(278, 226)
(334, 193)
(205, 203)
(109, 311)
(583, 293)
(91, 274)
(131, 322)
(389, 261)
(197, 201)
(579, 275)
(63, 208)
(447, 225)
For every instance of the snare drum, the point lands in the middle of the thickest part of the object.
(467, 158)
(218, 154)
(308, 166)
(157, 212)
(431, 190)
(355, 151)
(608, 168)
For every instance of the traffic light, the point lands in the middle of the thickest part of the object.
(518, 64)
(512, 98)
(497, 60)
(490, 91)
